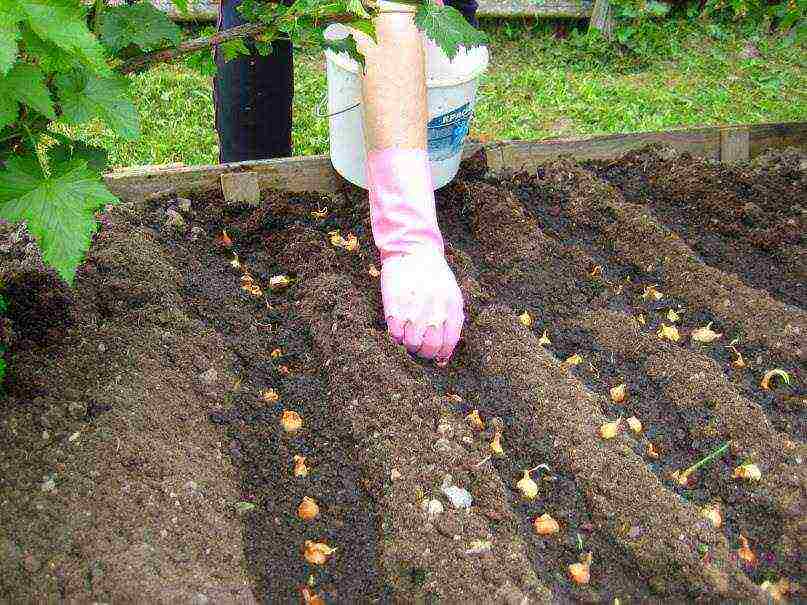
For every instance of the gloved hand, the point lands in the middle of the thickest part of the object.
(422, 302)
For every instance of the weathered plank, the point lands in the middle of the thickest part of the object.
(208, 10)
(704, 142)
(315, 173)
(734, 144)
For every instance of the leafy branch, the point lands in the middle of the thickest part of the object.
(64, 63)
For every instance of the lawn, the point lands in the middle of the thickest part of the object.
(537, 86)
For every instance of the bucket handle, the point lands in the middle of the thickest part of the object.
(319, 108)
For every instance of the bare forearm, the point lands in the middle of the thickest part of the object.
(394, 85)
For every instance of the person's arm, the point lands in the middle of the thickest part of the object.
(423, 306)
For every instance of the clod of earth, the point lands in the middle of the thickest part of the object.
(545, 525)
(308, 509)
(748, 472)
(270, 396)
(291, 421)
(619, 393)
(705, 334)
(651, 293)
(373, 272)
(317, 553)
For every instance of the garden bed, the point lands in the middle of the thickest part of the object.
(144, 455)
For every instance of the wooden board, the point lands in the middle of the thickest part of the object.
(208, 10)
(315, 173)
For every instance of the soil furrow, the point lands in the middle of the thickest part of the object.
(637, 238)
(621, 491)
(695, 381)
(412, 441)
(738, 217)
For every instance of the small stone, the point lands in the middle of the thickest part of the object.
(192, 486)
(395, 474)
(31, 563)
(74, 436)
(442, 445)
(48, 484)
(209, 377)
(77, 409)
(479, 547)
(458, 496)
(102, 347)
(45, 436)
(635, 532)
(432, 507)
(196, 232)
(200, 599)
(184, 204)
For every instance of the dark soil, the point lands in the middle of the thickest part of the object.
(143, 460)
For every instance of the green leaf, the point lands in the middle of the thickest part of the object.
(63, 22)
(182, 6)
(366, 26)
(24, 84)
(140, 24)
(447, 27)
(9, 34)
(244, 507)
(59, 209)
(345, 45)
(50, 57)
(357, 8)
(97, 158)
(84, 96)
(233, 49)
(203, 62)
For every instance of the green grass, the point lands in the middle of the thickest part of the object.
(537, 86)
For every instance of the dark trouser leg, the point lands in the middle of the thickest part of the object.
(467, 8)
(253, 98)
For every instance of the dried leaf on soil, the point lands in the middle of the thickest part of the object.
(651, 451)
(672, 316)
(640, 319)
(475, 420)
(668, 332)
(320, 213)
(300, 468)
(705, 334)
(291, 421)
(713, 514)
(650, 292)
(769, 375)
(276, 353)
(573, 360)
(745, 552)
(748, 472)
(609, 430)
(479, 547)
(635, 424)
(596, 271)
(527, 487)
(545, 525)
(270, 396)
(308, 509)
(350, 243)
(544, 340)
(373, 271)
(526, 319)
(235, 263)
(619, 393)
(317, 553)
(581, 572)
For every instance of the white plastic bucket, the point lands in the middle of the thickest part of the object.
(451, 98)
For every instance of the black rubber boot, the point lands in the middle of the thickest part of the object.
(253, 98)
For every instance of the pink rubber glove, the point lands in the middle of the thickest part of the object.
(422, 302)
